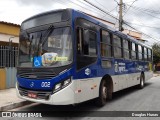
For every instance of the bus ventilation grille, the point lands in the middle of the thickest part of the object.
(40, 94)
(37, 75)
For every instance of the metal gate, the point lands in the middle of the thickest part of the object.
(8, 56)
(8, 63)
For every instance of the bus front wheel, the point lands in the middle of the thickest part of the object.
(101, 100)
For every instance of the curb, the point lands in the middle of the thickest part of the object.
(14, 105)
(156, 75)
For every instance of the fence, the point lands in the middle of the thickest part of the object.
(8, 57)
(8, 63)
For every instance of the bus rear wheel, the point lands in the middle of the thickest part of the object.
(141, 85)
(103, 93)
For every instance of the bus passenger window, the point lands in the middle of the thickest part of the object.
(145, 53)
(133, 51)
(86, 47)
(106, 47)
(149, 55)
(89, 44)
(126, 49)
(79, 41)
(86, 42)
(142, 53)
(139, 52)
(117, 46)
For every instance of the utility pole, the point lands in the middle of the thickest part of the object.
(120, 15)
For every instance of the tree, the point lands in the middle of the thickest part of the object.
(156, 53)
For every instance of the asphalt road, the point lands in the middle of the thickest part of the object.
(131, 99)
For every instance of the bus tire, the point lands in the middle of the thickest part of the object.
(141, 85)
(101, 100)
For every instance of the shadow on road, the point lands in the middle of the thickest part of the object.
(122, 93)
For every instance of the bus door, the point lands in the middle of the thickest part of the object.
(86, 61)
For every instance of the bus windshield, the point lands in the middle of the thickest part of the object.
(53, 50)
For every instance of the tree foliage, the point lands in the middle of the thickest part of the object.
(156, 53)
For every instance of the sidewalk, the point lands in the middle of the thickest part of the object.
(9, 100)
(156, 74)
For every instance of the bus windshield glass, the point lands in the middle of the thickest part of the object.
(52, 50)
(48, 18)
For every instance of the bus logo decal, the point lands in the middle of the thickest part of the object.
(32, 84)
(116, 66)
(87, 71)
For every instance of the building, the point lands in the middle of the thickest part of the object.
(9, 31)
(134, 34)
(9, 39)
(102, 20)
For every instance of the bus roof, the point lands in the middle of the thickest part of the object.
(114, 31)
(45, 13)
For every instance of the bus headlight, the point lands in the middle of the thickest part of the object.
(61, 85)
(66, 82)
(58, 86)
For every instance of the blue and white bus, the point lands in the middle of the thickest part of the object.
(67, 57)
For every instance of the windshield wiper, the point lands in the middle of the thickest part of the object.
(45, 36)
(30, 46)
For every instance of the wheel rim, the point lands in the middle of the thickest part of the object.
(104, 92)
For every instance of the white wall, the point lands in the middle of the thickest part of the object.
(5, 38)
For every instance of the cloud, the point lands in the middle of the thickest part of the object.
(43, 3)
(144, 15)
(16, 11)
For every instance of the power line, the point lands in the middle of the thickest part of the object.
(151, 15)
(141, 23)
(111, 11)
(138, 16)
(116, 2)
(101, 9)
(111, 16)
(86, 4)
(100, 4)
(61, 2)
(130, 1)
(130, 7)
(141, 32)
(144, 9)
(144, 25)
(147, 35)
(118, 19)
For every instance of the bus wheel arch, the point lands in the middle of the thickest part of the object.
(106, 86)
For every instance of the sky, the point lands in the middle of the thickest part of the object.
(144, 15)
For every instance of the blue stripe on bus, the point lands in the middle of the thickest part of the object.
(26, 83)
(124, 67)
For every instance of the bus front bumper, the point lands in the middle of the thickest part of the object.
(63, 97)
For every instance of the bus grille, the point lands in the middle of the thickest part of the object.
(37, 75)
(40, 94)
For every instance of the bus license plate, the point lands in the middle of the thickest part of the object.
(32, 95)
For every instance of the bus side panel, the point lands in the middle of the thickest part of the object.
(148, 75)
(121, 82)
(86, 89)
